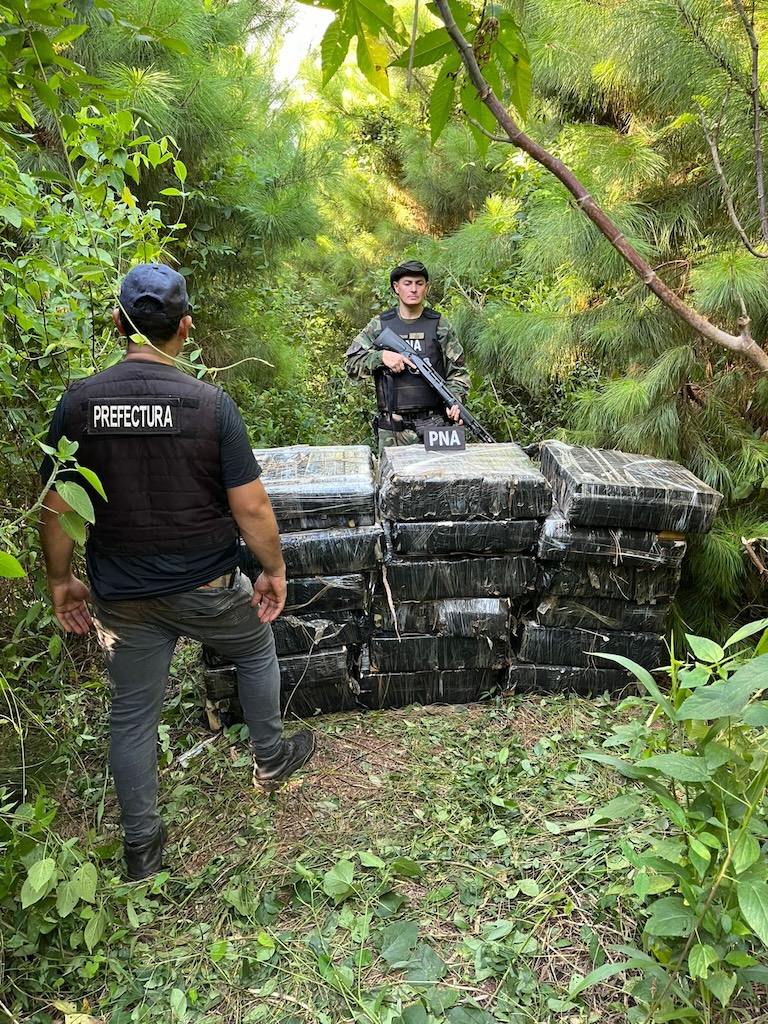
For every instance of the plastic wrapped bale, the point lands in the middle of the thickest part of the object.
(504, 536)
(522, 678)
(409, 653)
(486, 481)
(316, 487)
(318, 682)
(399, 689)
(602, 613)
(548, 645)
(431, 579)
(315, 594)
(471, 616)
(595, 487)
(300, 633)
(620, 583)
(561, 541)
(315, 552)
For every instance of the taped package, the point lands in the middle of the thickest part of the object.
(596, 487)
(311, 594)
(548, 645)
(602, 613)
(486, 481)
(399, 689)
(470, 616)
(561, 541)
(620, 583)
(319, 487)
(408, 653)
(297, 633)
(332, 665)
(501, 537)
(522, 678)
(430, 579)
(333, 551)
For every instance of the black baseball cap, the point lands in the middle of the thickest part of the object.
(158, 283)
(410, 268)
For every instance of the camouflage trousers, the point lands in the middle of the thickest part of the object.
(390, 438)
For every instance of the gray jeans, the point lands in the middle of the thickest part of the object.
(138, 639)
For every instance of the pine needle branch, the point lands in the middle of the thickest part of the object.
(754, 95)
(742, 343)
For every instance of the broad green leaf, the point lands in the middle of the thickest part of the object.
(756, 714)
(370, 860)
(441, 102)
(681, 767)
(468, 1015)
(474, 108)
(94, 930)
(749, 630)
(41, 873)
(729, 697)
(511, 52)
(77, 498)
(10, 567)
(745, 854)
(73, 525)
(69, 34)
(337, 882)
(45, 94)
(416, 1013)
(601, 974)
(407, 868)
(10, 216)
(178, 1004)
(753, 904)
(721, 985)
(85, 879)
(429, 49)
(398, 941)
(379, 17)
(92, 479)
(180, 170)
(670, 917)
(704, 649)
(334, 46)
(700, 959)
(67, 897)
(372, 58)
(425, 965)
(176, 45)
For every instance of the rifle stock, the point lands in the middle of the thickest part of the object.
(394, 343)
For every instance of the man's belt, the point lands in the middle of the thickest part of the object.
(224, 581)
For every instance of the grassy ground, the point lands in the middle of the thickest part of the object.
(434, 865)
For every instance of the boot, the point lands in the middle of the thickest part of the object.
(292, 755)
(145, 859)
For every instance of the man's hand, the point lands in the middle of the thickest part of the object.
(269, 593)
(395, 362)
(454, 414)
(68, 597)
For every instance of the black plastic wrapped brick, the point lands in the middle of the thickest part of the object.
(330, 665)
(314, 594)
(486, 481)
(522, 678)
(399, 689)
(431, 579)
(561, 541)
(620, 583)
(316, 552)
(546, 645)
(470, 616)
(504, 536)
(595, 487)
(295, 634)
(602, 613)
(410, 653)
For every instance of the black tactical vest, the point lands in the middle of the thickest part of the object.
(151, 435)
(407, 391)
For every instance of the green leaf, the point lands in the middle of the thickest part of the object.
(681, 767)
(337, 882)
(756, 714)
(753, 904)
(749, 630)
(441, 101)
(729, 697)
(700, 959)
(77, 498)
(370, 860)
(429, 49)
(10, 216)
(178, 1004)
(10, 567)
(92, 479)
(670, 917)
(45, 94)
(643, 676)
(511, 52)
(745, 854)
(601, 974)
(468, 1015)
(73, 525)
(398, 941)
(721, 985)
(180, 170)
(372, 59)
(41, 873)
(704, 649)
(85, 879)
(334, 46)
(94, 930)
(407, 868)
(67, 897)
(425, 965)
(175, 45)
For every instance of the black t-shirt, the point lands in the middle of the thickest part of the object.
(127, 577)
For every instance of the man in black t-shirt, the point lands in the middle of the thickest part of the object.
(182, 485)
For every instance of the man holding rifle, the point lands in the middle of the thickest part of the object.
(407, 403)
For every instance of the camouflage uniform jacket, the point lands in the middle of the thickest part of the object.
(363, 359)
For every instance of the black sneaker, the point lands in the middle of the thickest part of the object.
(145, 859)
(293, 754)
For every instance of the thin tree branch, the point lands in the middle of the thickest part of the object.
(411, 52)
(714, 148)
(741, 343)
(754, 95)
(753, 554)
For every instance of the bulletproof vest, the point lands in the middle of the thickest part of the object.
(398, 392)
(151, 434)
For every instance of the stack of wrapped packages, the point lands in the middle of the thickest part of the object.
(461, 531)
(324, 502)
(609, 556)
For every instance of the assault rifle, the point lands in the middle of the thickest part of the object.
(394, 343)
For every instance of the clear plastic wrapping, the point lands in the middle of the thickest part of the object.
(319, 486)
(431, 579)
(317, 667)
(324, 551)
(504, 536)
(486, 481)
(401, 654)
(602, 613)
(399, 689)
(297, 633)
(561, 541)
(596, 487)
(621, 583)
(523, 678)
(546, 645)
(473, 616)
(312, 594)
